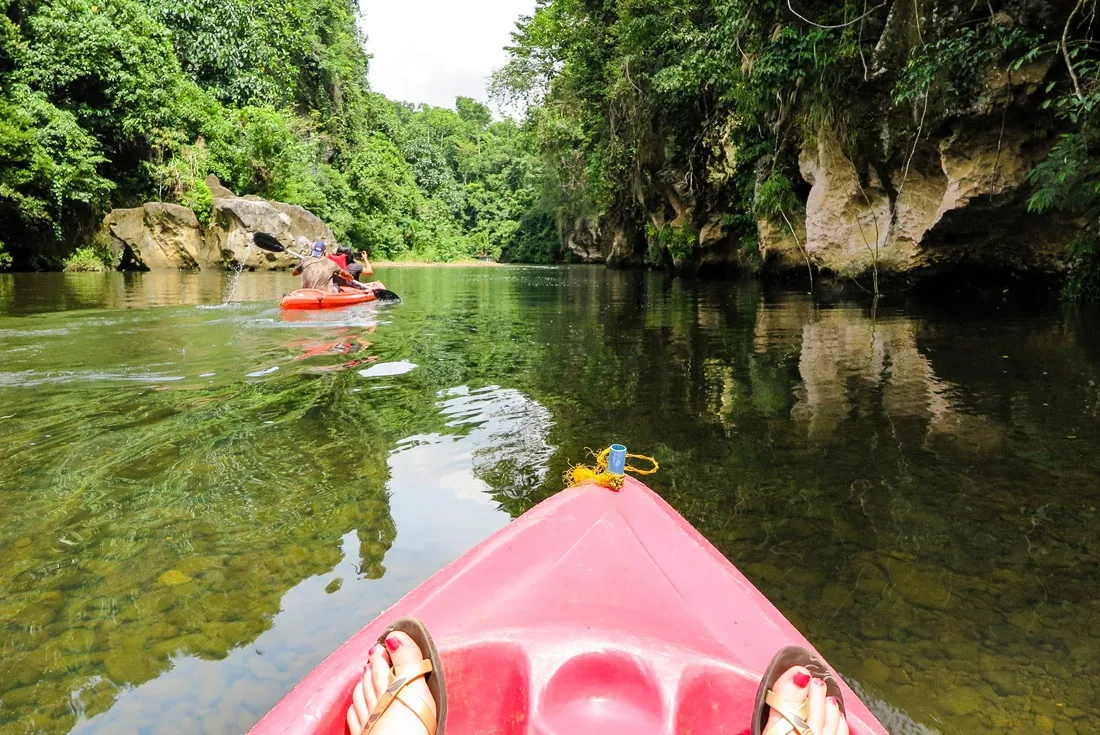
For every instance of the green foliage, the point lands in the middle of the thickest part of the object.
(951, 68)
(701, 90)
(675, 243)
(1069, 178)
(89, 259)
(717, 98)
(1082, 284)
(181, 178)
(107, 103)
(775, 199)
(48, 166)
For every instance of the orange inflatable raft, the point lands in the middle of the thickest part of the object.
(314, 298)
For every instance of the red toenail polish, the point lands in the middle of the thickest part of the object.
(393, 643)
(801, 679)
(832, 702)
(819, 683)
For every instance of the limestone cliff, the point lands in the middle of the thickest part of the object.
(892, 189)
(159, 236)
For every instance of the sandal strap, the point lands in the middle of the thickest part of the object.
(795, 717)
(420, 708)
(399, 679)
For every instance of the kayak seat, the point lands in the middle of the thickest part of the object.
(713, 700)
(547, 686)
(488, 687)
(602, 693)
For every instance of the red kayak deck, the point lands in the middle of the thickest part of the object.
(595, 612)
(313, 298)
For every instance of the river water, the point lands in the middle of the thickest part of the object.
(201, 501)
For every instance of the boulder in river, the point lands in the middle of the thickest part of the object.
(236, 220)
(160, 236)
(157, 236)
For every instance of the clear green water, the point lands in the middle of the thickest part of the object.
(200, 502)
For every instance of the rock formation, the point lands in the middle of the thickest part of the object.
(159, 236)
(895, 189)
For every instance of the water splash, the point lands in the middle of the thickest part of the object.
(237, 276)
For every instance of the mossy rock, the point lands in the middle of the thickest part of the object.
(15, 673)
(1005, 682)
(187, 617)
(874, 672)
(98, 698)
(835, 596)
(921, 585)
(38, 616)
(180, 644)
(157, 601)
(194, 565)
(299, 554)
(77, 640)
(21, 696)
(959, 701)
(80, 663)
(1044, 723)
(221, 608)
(173, 577)
(162, 631)
(1065, 728)
(1044, 706)
(227, 636)
(130, 666)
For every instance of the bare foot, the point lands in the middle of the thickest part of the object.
(795, 687)
(401, 652)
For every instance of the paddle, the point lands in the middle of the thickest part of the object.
(265, 241)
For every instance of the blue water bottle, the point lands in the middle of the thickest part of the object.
(616, 460)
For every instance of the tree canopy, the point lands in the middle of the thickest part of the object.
(108, 103)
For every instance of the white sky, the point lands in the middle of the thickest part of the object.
(434, 50)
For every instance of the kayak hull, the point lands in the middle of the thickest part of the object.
(313, 298)
(595, 612)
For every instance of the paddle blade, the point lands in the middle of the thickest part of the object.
(385, 295)
(267, 242)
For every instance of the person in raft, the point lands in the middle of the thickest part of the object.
(356, 269)
(402, 691)
(322, 273)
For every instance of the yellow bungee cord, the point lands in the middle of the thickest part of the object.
(601, 474)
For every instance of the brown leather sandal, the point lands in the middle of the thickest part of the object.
(795, 716)
(432, 671)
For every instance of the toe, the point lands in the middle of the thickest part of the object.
(792, 687)
(818, 707)
(842, 728)
(359, 709)
(832, 717)
(379, 674)
(354, 726)
(403, 650)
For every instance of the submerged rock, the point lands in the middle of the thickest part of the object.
(127, 666)
(173, 577)
(961, 701)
